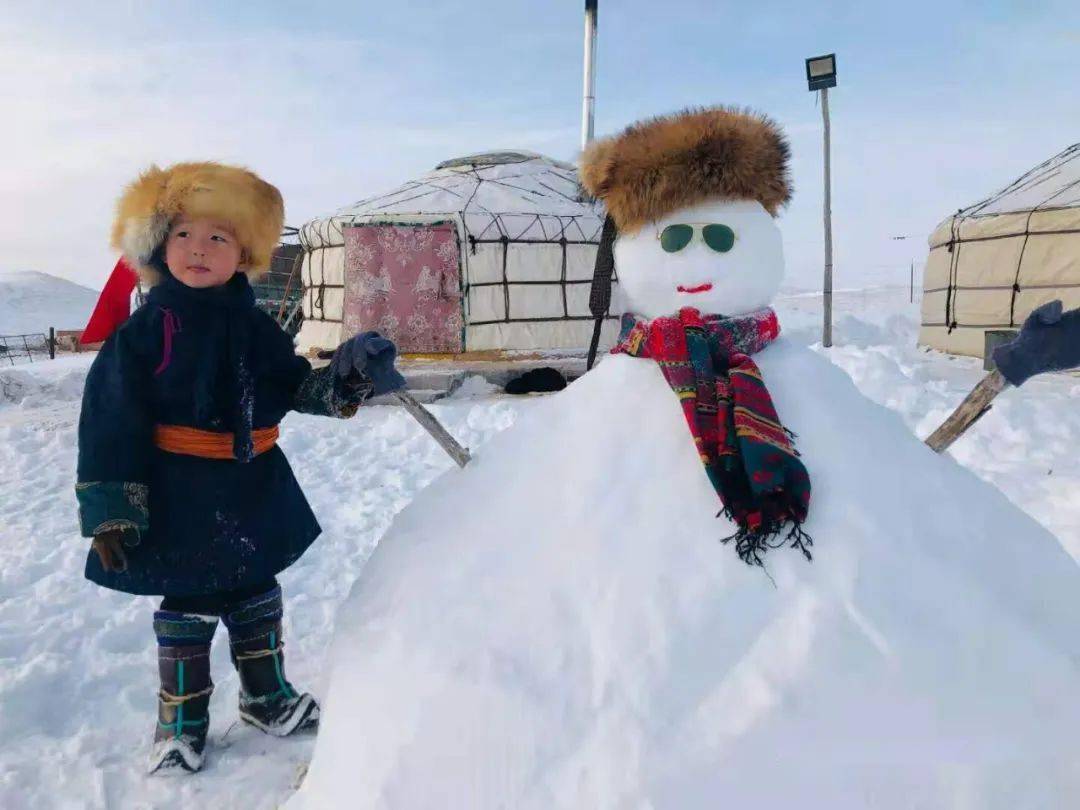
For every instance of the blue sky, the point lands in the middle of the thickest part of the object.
(938, 103)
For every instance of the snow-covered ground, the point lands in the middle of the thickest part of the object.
(1025, 445)
(77, 671)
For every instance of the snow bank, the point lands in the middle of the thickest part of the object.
(475, 387)
(32, 302)
(557, 626)
(45, 383)
(1025, 445)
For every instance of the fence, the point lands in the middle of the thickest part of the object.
(14, 347)
(278, 292)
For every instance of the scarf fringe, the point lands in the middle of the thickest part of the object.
(752, 544)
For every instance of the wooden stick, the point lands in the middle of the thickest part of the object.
(428, 422)
(968, 412)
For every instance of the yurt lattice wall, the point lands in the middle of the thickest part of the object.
(994, 262)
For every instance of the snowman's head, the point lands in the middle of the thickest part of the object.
(692, 196)
(722, 257)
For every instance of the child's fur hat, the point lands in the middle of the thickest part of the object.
(659, 165)
(234, 195)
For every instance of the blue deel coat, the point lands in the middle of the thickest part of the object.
(208, 359)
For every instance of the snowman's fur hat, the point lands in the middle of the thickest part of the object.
(250, 206)
(662, 164)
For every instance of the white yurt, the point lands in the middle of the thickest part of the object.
(492, 252)
(994, 262)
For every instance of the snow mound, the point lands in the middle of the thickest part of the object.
(556, 626)
(475, 386)
(32, 302)
(34, 385)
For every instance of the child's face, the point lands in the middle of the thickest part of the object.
(202, 252)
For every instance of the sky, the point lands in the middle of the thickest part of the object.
(938, 104)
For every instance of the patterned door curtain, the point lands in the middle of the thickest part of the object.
(404, 281)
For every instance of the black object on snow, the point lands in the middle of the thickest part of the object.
(538, 381)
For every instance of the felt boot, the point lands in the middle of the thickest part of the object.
(267, 700)
(184, 699)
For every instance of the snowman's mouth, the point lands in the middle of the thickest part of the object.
(699, 289)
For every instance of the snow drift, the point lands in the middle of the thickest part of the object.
(557, 625)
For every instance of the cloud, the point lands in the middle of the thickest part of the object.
(327, 119)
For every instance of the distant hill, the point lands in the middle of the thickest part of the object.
(32, 302)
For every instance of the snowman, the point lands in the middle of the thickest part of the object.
(560, 626)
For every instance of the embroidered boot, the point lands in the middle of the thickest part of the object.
(267, 700)
(184, 700)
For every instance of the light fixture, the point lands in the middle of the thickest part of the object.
(821, 72)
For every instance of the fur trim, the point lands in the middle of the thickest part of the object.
(148, 206)
(659, 165)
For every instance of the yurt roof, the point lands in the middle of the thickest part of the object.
(520, 195)
(1051, 185)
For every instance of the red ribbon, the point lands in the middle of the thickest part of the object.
(170, 325)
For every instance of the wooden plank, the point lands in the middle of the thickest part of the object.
(428, 422)
(968, 412)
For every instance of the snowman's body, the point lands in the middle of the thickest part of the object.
(558, 625)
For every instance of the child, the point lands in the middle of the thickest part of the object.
(180, 480)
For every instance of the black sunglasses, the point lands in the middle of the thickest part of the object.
(675, 237)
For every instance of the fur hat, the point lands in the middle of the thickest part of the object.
(145, 212)
(670, 162)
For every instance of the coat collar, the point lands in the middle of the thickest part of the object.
(235, 294)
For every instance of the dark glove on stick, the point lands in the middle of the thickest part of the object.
(1049, 340)
(109, 546)
(371, 354)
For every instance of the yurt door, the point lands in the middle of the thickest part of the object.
(404, 281)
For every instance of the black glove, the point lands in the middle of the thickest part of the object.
(371, 354)
(109, 546)
(1049, 340)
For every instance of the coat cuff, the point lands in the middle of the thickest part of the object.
(323, 393)
(105, 505)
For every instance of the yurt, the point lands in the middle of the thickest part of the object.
(492, 252)
(994, 262)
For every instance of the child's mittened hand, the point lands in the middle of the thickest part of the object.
(1048, 341)
(110, 549)
(373, 355)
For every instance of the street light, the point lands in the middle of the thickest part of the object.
(820, 76)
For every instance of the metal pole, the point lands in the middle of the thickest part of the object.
(826, 336)
(912, 281)
(589, 94)
(52, 342)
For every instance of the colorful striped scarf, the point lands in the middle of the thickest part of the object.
(748, 454)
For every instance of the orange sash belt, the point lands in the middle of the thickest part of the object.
(191, 441)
